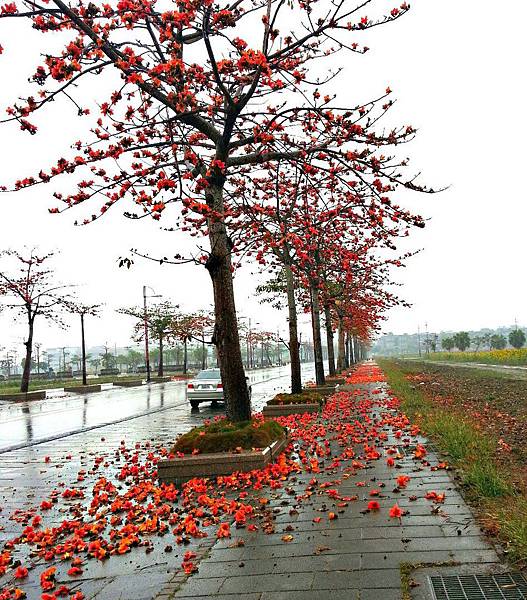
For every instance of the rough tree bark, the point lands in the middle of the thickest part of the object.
(24, 385)
(160, 365)
(329, 338)
(83, 351)
(294, 345)
(317, 340)
(349, 358)
(226, 337)
(341, 360)
(185, 356)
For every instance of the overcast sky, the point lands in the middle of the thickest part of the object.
(457, 70)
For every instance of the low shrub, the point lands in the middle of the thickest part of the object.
(225, 436)
(307, 397)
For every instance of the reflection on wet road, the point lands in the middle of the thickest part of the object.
(27, 423)
(100, 425)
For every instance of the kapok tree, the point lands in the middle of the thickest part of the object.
(83, 311)
(160, 321)
(194, 105)
(307, 220)
(28, 287)
(193, 326)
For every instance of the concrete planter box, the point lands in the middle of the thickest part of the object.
(283, 410)
(160, 379)
(336, 381)
(83, 389)
(178, 470)
(20, 396)
(325, 390)
(133, 383)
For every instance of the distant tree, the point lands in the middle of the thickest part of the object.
(461, 340)
(160, 320)
(194, 326)
(447, 344)
(477, 342)
(83, 311)
(498, 341)
(517, 338)
(95, 362)
(28, 286)
(107, 359)
(485, 339)
(133, 359)
(431, 342)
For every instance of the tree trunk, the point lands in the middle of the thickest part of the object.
(24, 385)
(83, 350)
(160, 365)
(329, 338)
(341, 360)
(294, 345)
(348, 354)
(185, 356)
(317, 340)
(226, 336)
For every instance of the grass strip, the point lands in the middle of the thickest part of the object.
(488, 486)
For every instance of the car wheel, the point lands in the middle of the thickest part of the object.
(194, 404)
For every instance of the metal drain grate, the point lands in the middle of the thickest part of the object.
(505, 586)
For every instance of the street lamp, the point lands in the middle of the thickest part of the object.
(145, 313)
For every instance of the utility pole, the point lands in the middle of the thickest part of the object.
(147, 354)
(250, 346)
(419, 340)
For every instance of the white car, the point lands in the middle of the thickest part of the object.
(207, 387)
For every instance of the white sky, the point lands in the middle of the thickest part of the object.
(456, 69)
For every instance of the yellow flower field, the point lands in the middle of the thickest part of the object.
(509, 356)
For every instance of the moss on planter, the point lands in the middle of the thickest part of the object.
(307, 397)
(225, 436)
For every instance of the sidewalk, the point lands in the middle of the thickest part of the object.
(320, 534)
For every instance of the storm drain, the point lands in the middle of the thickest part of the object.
(505, 586)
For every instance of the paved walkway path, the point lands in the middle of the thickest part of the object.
(317, 539)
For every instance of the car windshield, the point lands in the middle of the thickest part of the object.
(212, 374)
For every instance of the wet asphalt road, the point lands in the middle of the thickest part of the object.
(45, 444)
(24, 424)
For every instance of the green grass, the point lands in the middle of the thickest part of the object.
(10, 387)
(303, 398)
(467, 448)
(514, 528)
(489, 485)
(225, 436)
